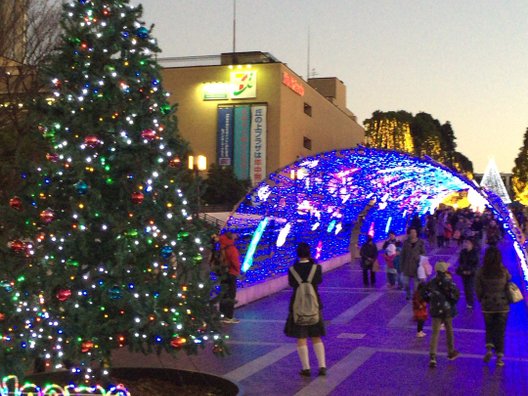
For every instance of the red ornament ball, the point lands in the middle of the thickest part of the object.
(17, 246)
(177, 342)
(92, 141)
(137, 198)
(16, 203)
(53, 157)
(47, 216)
(63, 295)
(148, 134)
(175, 162)
(87, 346)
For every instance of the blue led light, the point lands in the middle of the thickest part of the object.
(321, 197)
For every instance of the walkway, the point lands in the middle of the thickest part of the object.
(371, 346)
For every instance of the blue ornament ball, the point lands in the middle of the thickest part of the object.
(81, 187)
(114, 292)
(166, 252)
(142, 32)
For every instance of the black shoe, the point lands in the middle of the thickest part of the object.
(322, 371)
(305, 373)
(453, 355)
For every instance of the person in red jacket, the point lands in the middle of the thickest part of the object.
(231, 261)
(419, 310)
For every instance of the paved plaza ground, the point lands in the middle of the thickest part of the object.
(371, 346)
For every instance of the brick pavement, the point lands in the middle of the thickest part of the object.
(371, 347)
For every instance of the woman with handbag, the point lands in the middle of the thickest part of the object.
(491, 287)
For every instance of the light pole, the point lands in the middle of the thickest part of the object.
(197, 164)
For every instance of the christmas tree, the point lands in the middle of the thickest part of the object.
(492, 180)
(99, 250)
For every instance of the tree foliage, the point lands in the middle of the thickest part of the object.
(28, 34)
(99, 250)
(222, 187)
(419, 134)
(520, 173)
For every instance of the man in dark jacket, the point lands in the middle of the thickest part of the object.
(442, 294)
(368, 254)
(413, 248)
(468, 262)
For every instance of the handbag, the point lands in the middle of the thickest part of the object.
(513, 292)
(375, 266)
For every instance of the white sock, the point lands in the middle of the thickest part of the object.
(303, 355)
(319, 350)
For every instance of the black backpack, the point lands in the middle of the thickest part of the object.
(442, 296)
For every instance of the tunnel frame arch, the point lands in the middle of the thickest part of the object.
(318, 199)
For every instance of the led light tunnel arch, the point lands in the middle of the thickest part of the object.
(318, 200)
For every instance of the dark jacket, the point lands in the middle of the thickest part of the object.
(491, 292)
(468, 262)
(442, 295)
(368, 254)
(410, 256)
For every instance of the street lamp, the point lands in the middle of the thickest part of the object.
(197, 164)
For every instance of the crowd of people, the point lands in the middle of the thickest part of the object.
(434, 294)
(408, 269)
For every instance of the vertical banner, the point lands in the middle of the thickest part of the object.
(241, 142)
(257, 156)
(224, 135)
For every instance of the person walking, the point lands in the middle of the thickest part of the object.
(430, 230)
(230, 258)
(214, 255)
(412, 249)
(389, 255)
(491, 281)
(442, 294)
(419, 310)
(468, 262)
(368, 255)
(304, 268)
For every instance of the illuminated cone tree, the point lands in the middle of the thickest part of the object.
(98, 248)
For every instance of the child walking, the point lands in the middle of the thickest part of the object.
(442, 295)
(419, 310)
(389, 255)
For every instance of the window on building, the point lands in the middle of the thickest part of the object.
(307, 143)
(307, 109)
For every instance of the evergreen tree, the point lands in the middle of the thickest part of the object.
(389, 130)
(222, 187)
(28, 33)
(98, 249)
(520, 173)
(419, 134)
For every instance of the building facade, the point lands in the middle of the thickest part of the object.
(252, 112)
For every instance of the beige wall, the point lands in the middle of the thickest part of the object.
(329, 127)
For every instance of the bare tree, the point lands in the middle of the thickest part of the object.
(29, 32)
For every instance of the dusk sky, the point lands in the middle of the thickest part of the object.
(463, 61)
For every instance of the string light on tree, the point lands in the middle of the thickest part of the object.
(102, 229)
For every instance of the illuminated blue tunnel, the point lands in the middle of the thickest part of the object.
(319, 200)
